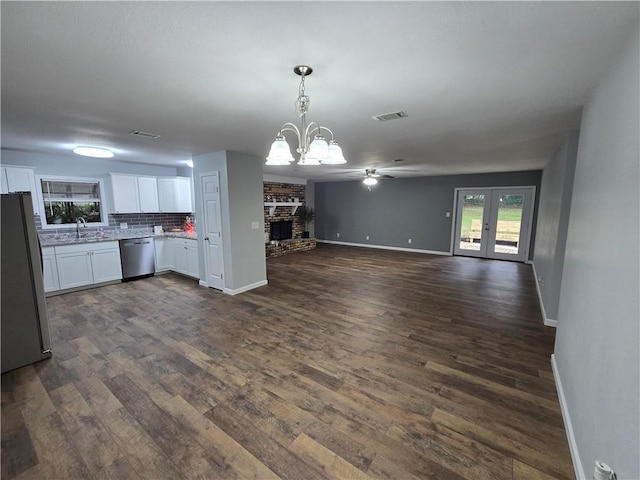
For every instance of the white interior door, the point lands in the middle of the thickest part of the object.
(212, 230)
(494, 222)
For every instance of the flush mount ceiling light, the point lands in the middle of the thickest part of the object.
(312, 152)
(93, 152)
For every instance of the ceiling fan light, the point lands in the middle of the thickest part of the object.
(335, 154)
(280, 153)
(369, 181)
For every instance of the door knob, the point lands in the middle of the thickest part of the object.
(206, 238)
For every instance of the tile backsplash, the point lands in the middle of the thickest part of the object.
(133, 220)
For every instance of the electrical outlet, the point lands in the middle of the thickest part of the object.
(448, 214)
(410, 240)
(338, 235)
(367, 237)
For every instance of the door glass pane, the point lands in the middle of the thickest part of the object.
(509, 221)
(471, 231)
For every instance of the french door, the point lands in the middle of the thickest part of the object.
(494, 222)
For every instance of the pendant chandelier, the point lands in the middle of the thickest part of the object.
(312, 152)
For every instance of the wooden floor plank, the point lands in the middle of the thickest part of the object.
(169, 435)
(91, 440)
(57, 455)
(215, 441)
(350, 363)
(144, 455)
(324, 460)
(545, 455)
(18, 453)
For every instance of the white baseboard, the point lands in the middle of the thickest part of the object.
(236, 291)
(202, 283)
(549, 322)
(384, 247)
(573, 446)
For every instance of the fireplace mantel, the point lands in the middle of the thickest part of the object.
(273, 205)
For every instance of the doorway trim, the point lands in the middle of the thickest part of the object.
(455, 214)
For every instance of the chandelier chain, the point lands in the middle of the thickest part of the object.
(302, 103)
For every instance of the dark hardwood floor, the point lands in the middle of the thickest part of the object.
(352, 363)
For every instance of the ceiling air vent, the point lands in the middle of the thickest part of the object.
(139, 133)
(390, 116)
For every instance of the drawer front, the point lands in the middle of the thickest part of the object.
(87, 247)
(186, 242)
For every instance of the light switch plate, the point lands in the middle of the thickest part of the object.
(255, 225)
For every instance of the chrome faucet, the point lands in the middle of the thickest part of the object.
(80, 220)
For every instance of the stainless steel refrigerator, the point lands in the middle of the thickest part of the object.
(25, 327)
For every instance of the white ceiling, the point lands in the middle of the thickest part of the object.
(487, 86)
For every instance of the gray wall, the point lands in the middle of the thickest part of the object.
(597, 340)
(73, 165)
(402, 208)
(244, 174)
(241, 204)
(553, 221)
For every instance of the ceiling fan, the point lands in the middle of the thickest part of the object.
(371, 177)
(371, 173)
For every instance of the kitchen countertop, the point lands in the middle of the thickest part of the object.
(54, 239)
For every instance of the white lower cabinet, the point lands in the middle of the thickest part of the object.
(50, 270)
(86, 264)
(106, 265)
(164, 254)
(186, 257)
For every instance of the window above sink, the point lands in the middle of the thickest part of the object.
(64, 199)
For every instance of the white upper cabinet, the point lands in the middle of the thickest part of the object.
(183, 194)
(175, 195)
(124, 189)
(148, 194)
(133, 194)
(166, 187)
(21, 179)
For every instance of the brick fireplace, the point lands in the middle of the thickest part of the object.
(285, 192)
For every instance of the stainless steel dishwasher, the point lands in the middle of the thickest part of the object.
(138, 257)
